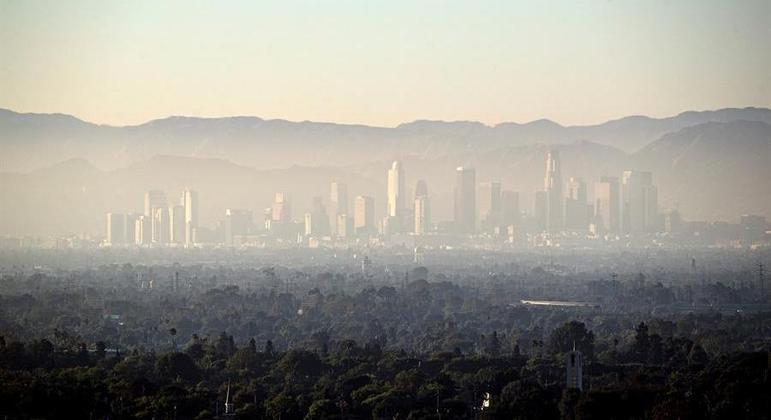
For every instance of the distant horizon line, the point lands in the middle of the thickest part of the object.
(418, 120)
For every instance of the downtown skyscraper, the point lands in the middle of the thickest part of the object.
(639, 199)
(576, 205)
(190, 202)
(465, 209)
(395, 189)
(155, 205)
(154, 199)
(116, 228)
(607, 202)
(281, 211)
(364, 215)
(553, 187)
(490, 206)
(395, 211)
(338, 201)
(177, 224)
(422, 211)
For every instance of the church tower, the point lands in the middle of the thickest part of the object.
(574, 363)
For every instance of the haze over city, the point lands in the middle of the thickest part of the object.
(385, 210)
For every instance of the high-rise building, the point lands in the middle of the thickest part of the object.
(421, 189)
(465, 200)
(653, 219)
(338, 199)
(177, 224)
(364, 215)
(553, 188)
(317, 220)
(129, 226)
(238, 224)
(143, 230)
(344, 226)
(539, 210)
(510, 208)
(396, 190)
(639, 199)
(160, 226)
(281, 212)
(190, 201)
(154, 199)
(576, 211)
(490, 205)
(116, 228)
(422, 209)
(607, 202)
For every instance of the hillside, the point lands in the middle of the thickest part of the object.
(711, 171)
(31, 141)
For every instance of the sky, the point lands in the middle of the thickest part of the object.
(383, 62)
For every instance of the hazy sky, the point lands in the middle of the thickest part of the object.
(383, 62)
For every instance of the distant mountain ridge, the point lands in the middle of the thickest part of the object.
(709, 171)
(60, 174)
(31, 141)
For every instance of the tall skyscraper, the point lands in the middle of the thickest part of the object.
(639, 199)
(308, 224)
(510, 208)
(396, 190)
(238, 223)
(465, 200)
(421, 189)
(154, 199)
(116, 228)
(344, 226)
(177, 224)
(576, 211)
(129, 226)
(143, 230)
(539, 210)
(490, 205)
(652, 216)
(422, 208)
(338, 199)
(553, 188)
(160, 225)
(364, 214)
(317, 220)
(607, 202)
(190, 201)
(282, 208)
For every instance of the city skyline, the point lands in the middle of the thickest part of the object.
(346, 209)
(625, 211)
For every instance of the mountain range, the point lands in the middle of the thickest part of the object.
(61, 174)
(32, 141)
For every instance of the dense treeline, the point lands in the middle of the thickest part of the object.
(420, 312)
(653, 378)
(167, 342)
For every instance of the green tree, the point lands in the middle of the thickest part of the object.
(177, 365)
(569, 335)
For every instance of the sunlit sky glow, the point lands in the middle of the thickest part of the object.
(383, 62)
